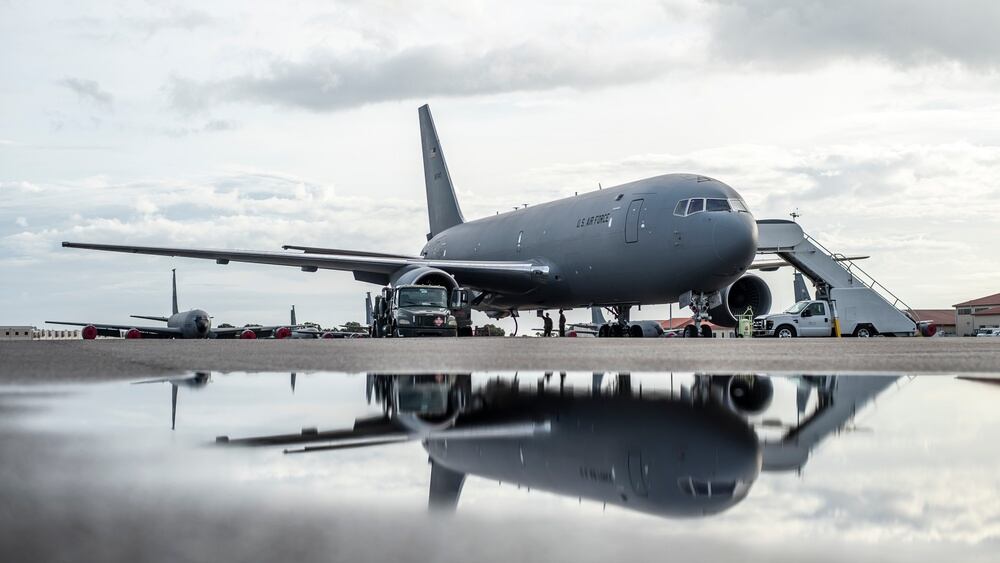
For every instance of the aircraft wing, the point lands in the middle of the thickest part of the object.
(772, 265)
(496, 275)
(384, 432)
(107, 329)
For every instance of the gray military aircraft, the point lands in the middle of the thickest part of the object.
(670, 238)
(689, 454)
(195, 323)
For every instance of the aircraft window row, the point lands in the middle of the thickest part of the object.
(687, 207)
(698, 488)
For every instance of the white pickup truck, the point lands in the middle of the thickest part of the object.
(861, 313)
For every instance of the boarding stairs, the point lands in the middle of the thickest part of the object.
(827, 270)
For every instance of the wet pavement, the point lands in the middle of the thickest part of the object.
(501, 466)
(25, 362)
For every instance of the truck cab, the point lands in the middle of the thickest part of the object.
(805, 318)
(417, 310)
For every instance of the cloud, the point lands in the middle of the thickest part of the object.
(329, 81)
(905, 33)
(180, 20)
(89, 90)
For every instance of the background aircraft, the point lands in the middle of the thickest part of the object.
(195, 323)
(676, 237)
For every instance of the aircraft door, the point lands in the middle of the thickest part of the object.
(632, 220)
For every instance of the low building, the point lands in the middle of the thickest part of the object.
(944, 319)
(681, 322)
(16, 332)
(987, 318)
(972, 315)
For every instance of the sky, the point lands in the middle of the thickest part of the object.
(252, 125)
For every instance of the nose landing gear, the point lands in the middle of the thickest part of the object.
(700, 304)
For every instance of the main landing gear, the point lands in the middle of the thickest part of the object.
(620, 326)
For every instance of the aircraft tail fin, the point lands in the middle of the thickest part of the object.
(801, 291)
(292, 319)
(174, 276)
(442, 205)
(596, 316)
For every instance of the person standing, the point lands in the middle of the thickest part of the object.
(562, 324)
(548, 326)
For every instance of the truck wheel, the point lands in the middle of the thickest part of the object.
(785, 331)
(864, 331)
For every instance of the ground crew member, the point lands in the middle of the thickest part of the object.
(548, 326)
(562, 324)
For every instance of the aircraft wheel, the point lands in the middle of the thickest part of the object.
(617, 331)
(604, 331)
(690, 331)
(706, 331)
(784, 331)
(864, 331)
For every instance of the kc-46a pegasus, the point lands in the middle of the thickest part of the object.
(680, 238)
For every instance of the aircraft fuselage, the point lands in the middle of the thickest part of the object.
(619, 245)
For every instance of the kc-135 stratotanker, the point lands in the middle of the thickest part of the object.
(674, 238)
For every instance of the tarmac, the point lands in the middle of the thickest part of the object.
(80, 360)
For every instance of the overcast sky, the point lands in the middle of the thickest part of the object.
(251, 126)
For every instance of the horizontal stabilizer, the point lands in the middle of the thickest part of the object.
(343, 252)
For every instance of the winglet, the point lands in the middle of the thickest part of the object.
(174, 272)
(442, 206)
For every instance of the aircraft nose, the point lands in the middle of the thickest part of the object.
(735, 242)
(202, 324)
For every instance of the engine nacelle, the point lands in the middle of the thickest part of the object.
(425, 275)
(248, 334)
(89, 332)
(748, 291)
(133, 333)
(282, 332)
(927, 328)
(744, 394)
(327, 335)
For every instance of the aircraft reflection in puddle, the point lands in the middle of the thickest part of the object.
(691, 453)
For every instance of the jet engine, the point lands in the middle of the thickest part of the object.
(89, 332)
(425, 275)
(282, 332)
(133, 333)
(248, 334)
(748, 291)
(743, 394)
(328, 335)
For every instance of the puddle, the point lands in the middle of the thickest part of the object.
(567, 466)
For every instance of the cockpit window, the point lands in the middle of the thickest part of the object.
(681, 208)
(738, 205)
(699, 488)
(696, 206)
(717, 205)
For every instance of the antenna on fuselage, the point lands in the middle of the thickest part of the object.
(795, 214)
